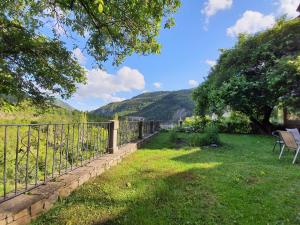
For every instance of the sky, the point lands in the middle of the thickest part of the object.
(189, 50)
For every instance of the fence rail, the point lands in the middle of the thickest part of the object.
(128, 131)
(36, 153)
(33, 154)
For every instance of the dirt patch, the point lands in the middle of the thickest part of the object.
(186, 176)
(252, 180)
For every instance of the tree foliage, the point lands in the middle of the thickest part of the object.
(35, 62)
(260, 72)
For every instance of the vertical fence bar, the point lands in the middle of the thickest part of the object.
(17, 159)
(72, 149)
(67, 148)
(60, 148)
(46, 156)
(27, 156)
(54, 150)
(37, 156)
(88, 129)
(4, 159)
(82, 145)
(78, 145)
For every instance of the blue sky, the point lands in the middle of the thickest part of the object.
(188, 50)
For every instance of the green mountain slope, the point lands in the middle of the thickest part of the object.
(162, 105)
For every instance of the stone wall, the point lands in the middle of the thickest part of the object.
(26, 207)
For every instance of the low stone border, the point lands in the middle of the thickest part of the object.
(26, 207)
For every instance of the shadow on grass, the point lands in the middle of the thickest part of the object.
(180, 198)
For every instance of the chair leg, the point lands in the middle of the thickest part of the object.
(281, 152)
(295, 158)
(274, 146)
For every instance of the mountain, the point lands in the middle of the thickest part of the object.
(161, 105)
(62, 104)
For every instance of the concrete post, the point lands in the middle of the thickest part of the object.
(113, 136)
(141, 130)
(152, 126)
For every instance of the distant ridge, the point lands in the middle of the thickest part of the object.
(161, 105)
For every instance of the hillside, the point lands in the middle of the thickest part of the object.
(162, 105)
(25, 112)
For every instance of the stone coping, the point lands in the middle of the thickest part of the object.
(24, 208)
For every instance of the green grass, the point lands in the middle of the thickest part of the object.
(242, 182)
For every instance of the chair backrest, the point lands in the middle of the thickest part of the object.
(288, 139)
(295, 133)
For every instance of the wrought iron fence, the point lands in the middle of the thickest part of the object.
(128, 131)
(147, 127)
(35, 153)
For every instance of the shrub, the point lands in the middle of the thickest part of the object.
(197, 123)
(235, 123)
(195, 140)
(173, 136)
(210, 136)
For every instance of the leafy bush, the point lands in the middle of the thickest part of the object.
(195, 140)
(197, 123)
(173, 136)
(235, 123)
(210, 136)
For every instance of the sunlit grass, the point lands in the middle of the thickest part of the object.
(242, 182)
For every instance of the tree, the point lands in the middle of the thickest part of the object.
(259, 73)
(35, 63)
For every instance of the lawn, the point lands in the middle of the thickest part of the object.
(242, 182)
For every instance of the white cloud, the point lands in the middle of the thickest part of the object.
(157, 84)
(105, 86)
(77, 54)
(211, 7)
(193, 83)
(211, 63)
(288, 7)
(251, 22)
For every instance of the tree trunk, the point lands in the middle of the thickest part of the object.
(264, 126)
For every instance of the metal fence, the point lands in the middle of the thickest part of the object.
(128, 131)
(147, 127)
(35, 153)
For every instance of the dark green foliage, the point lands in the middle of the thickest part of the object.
(197, 123)
(259, 73)
(209, 136)
(164, 106)
(35, 63)
(236, 123)
(173, 136)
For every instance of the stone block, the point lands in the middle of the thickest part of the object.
(9, 219)
(3, 222)
(37, 208)
(20, 214)
(22, 220)
(64, 192)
